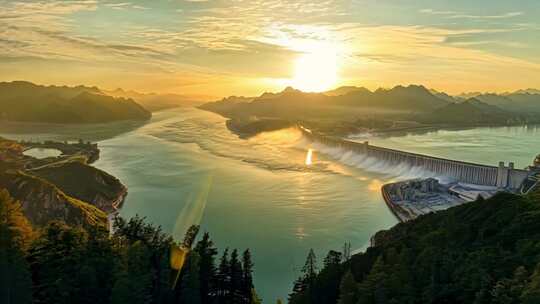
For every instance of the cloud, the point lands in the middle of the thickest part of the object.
(502, 16)
(125, 5)
(45, 14)
(234, 42)
(458, 15)
(434, 12)
(490, 42)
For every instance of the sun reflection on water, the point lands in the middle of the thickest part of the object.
(309, 157)
(375, 185)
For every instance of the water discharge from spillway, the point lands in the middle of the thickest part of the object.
(309, 157)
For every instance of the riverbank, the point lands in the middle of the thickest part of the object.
(412, 198)
(396, 210)
(65, 187)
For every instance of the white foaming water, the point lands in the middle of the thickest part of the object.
(373, 164)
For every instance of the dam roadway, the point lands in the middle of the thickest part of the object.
(501, 176)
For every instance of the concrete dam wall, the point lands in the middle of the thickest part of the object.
(500, 176)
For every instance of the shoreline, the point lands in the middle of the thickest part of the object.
(426, 129)
(65, 187)
(248, 129)
(396, 211)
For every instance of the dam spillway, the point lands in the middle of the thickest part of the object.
(501, 176)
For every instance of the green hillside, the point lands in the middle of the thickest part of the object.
(481, 252)
(27, 102)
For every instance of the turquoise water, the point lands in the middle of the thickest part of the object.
(482, 145)
(185, 167)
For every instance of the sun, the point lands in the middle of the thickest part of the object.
(316, 71)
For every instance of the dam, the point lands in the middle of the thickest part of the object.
(501, 176)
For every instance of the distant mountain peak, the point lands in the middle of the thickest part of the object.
(290, 89)
(529, 91)
(474, 100)
(344, 90)
(418, 88)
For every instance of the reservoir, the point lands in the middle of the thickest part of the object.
(271, 193)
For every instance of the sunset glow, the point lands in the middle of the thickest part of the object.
(270, 151)
(316, 71)
(206, 48)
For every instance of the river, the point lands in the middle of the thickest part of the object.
(185, 167)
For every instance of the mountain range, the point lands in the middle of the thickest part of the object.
(292, 103)
(155, 102)
(24, 101)
(350, 105)
(471, 112)
(27, 102)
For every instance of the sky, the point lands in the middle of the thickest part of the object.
(246, 47)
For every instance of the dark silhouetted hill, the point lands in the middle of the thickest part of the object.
(293, 104)
(470, 112)
(28, 102)
(522, 101)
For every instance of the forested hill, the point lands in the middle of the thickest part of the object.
(481, 252)
(28, 102)
(136, 264)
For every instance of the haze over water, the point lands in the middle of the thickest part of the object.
(185, 167)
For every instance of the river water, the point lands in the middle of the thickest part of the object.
(185, 167)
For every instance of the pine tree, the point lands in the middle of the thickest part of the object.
(134, 282)
(348, 290)
(327, 289)
(96, 268)
(373, 287)
(310, 268)
(158, 246)
(255, 297)
(531, 293)
(298, 291)
(346, 252)
(55, 262)
(15, 231)
(303, 288)
(190, 292)
(247, 279)
(236, 275)
(207, 269)
(223, 278)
